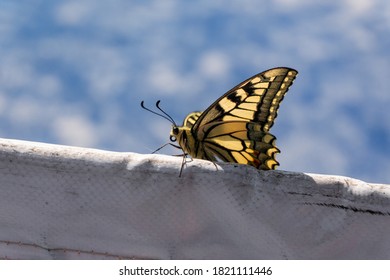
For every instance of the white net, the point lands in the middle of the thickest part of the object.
(59, 202)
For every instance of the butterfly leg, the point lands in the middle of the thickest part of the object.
(184, 162)
(216, 166)
(166, 144)
(190, 159)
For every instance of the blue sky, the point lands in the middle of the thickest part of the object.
(75, 72)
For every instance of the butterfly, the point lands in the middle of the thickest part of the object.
(235, 128)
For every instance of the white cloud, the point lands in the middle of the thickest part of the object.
(165, 79)
(15, 69)
(214, 65)
(75, 130)
(358, 8)
(72, 12)
(25, 111)
(107, 71)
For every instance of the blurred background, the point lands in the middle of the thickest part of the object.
(75, 72)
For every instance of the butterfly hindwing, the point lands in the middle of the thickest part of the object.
(241, 142)
(190, 120)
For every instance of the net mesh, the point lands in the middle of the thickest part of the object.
(61, 202)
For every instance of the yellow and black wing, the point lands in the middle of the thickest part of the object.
(191, 119)
(235, 128)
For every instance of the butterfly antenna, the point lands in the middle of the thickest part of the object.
(165, 113)
(166, 116)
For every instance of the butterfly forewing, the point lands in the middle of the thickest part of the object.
(256, 99)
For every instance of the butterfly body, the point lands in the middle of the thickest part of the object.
(235, 128)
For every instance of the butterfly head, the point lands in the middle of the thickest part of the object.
(174, 135)
(181, 135)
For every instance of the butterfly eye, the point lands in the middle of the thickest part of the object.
(172, 138)
(175, 130)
